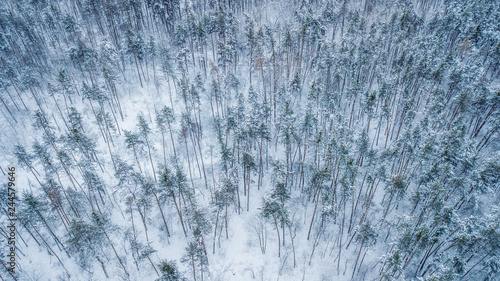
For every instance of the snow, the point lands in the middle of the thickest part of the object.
(331, 249)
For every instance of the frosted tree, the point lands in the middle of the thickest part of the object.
(367, 237)
(169, 271)
(85, 240)
(196, 258)
(132, 140)
(135, 48)
(344, 113)
(273, 204)
(173, 187)
(144, 132)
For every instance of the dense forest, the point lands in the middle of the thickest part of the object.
(252, 139)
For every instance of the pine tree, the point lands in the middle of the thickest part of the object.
(135, 47)
(169, 271)
(144, 132)
(132, 140)
(84, 240)
(367, 237)
(172, 186)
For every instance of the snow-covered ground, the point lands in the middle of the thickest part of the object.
(377, 124)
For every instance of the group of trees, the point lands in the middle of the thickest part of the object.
(364, 132)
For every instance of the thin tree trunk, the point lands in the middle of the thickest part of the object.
(151, 159)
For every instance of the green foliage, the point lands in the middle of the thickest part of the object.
(346, 111)
(169, 271)
(366, 235)
(83, 240)
(132, 139)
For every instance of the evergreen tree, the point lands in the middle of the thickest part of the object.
(169, 271)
